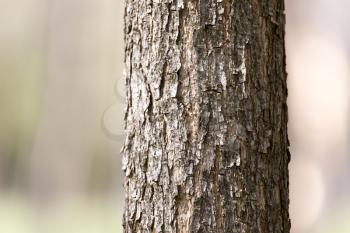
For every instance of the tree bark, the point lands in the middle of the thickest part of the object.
(206, 119)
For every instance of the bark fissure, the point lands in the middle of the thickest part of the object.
(206, 118)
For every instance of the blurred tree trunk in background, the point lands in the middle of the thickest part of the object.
(69, 146)
(206, 119)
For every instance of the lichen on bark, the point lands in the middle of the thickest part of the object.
(206, 118)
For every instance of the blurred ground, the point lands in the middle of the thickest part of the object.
(61, 99)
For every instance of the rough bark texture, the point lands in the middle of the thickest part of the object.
(207, 146)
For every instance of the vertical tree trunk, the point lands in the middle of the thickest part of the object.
(206, 119)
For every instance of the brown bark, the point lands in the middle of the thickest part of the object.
(206, 119)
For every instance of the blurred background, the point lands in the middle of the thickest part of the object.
(61, 116)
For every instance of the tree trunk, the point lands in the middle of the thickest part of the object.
(206, 118)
